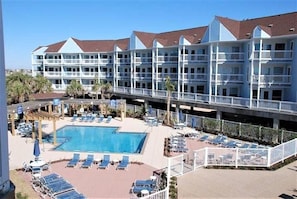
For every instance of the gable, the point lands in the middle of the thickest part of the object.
(258, 32)
(135, 43)
(70, 46)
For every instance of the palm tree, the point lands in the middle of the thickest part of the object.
(169, 87)
(19, 87)
(74, 88)
(105, 89)
(42, 85)
(96, 87)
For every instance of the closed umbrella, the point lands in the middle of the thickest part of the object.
(150, 110)
(193, 123)
(181, 116)
(36, 150)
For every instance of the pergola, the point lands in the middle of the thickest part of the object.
(41, 115)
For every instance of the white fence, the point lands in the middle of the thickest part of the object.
(244, 157)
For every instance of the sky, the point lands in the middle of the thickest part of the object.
(28, 24)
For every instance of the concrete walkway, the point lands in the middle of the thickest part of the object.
(230, 183)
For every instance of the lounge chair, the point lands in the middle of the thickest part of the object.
(58, 188)
(105, 162)
(70, 194)
(101, 118)
(124, 162)
(145, 183)
(203, 138)
(88, 162)
(73, 162)
(108, 119)
(74, 117)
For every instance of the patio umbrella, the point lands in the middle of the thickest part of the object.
(36, 149)
(193, 123)
(181, 116)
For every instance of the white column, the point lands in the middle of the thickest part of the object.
(210, 72)
(275, 123)
(252, 72)
(4, 164)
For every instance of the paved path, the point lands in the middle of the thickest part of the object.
(229, 183)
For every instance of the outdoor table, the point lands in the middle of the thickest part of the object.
(38, 163)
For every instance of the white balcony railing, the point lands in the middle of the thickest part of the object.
(227, 78)
(272, 79)
(194, 58)
(52, 74)
(167, 59)
(163, 76)
(194, 76)
(274, 54)
(273, 105)
(224, 56)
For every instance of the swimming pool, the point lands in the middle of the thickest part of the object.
(98, 139)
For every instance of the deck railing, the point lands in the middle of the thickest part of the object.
(273, 105)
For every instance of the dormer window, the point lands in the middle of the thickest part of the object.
(270, 25)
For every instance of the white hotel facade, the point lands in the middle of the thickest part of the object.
(254, 59)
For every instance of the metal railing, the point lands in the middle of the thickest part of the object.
(280, 106)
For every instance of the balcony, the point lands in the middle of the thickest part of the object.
(103, 75)
(143, 60)
(272, 79)
(51, 74)
(71, 61)
(194, 58)
(163, 76)
(194, 77)
(227, 78)
(274, 55)
(71, 74)
(225, 56)
(123, 61)
(142, 76)
(89, 74)
(123, 75)
(89, 61)
(105, 61)
(37, 61)
(167, 59)
(52, 61)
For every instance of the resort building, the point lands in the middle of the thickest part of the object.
(250, 63)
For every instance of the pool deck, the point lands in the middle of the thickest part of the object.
(112, 183)
(21, 149)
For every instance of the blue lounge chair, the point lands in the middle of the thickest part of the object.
(88, 162)
(58, 187)
(74, 117)
(73, 162)
(124, 162)
(145, 183)
(108, 119)
(105, 162)
(203, 138)
(101, 118)
(70, 194)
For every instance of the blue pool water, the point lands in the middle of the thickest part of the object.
(97, 139)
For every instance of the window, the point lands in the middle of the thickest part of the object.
(234, 92)
(159, 70)
(277, 95)
(257, 46)
(200, 89)
(186, 70)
